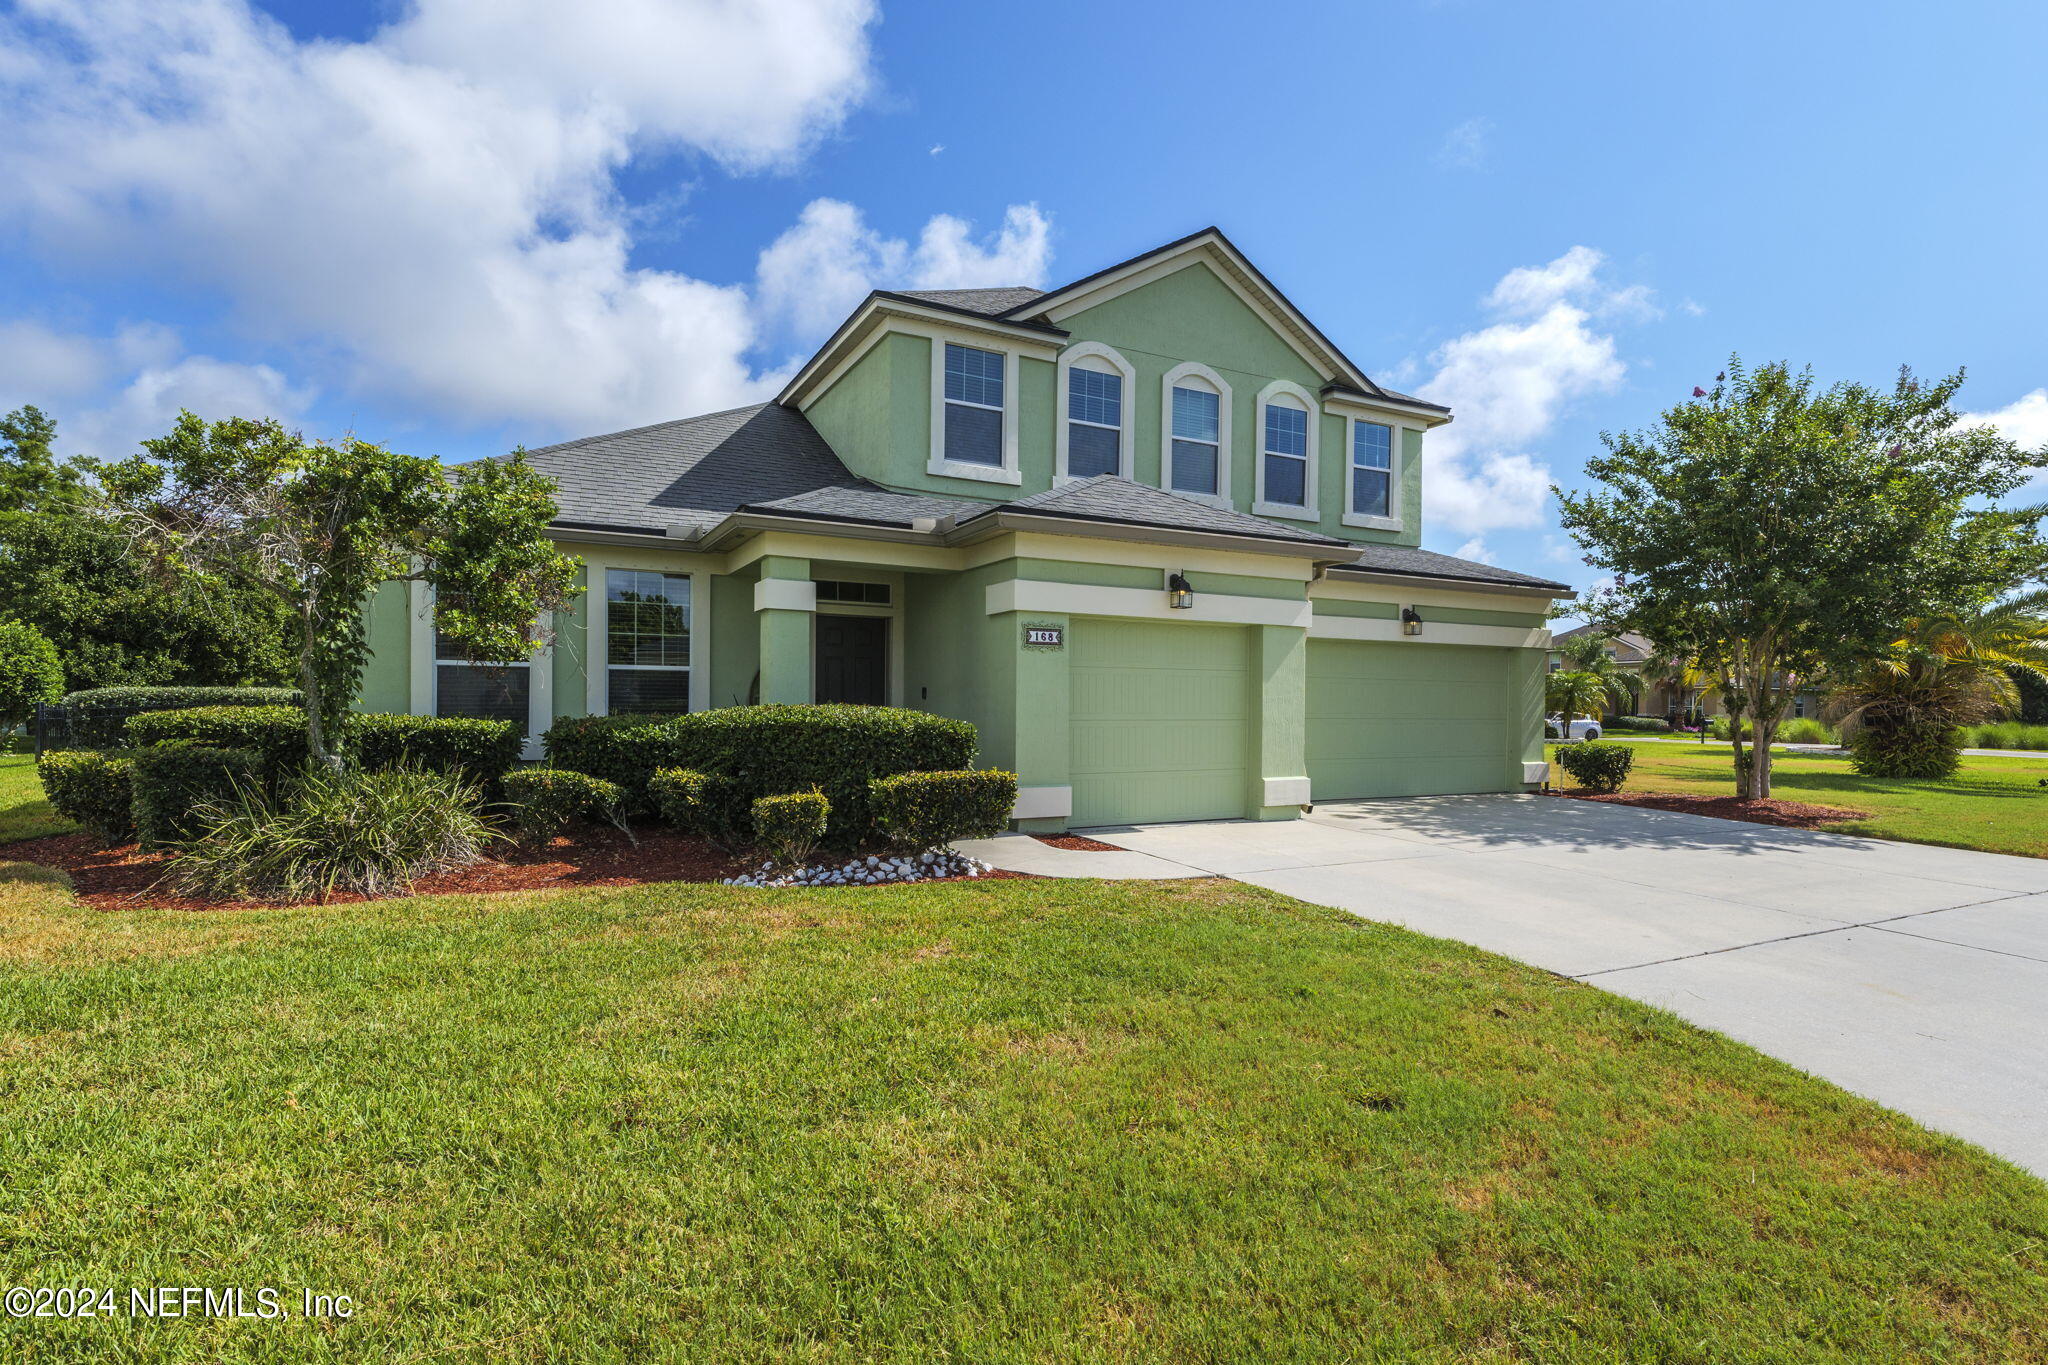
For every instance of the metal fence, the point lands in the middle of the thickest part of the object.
(52, 727)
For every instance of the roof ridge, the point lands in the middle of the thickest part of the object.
(651, 426)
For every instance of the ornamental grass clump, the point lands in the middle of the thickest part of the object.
(327, 831)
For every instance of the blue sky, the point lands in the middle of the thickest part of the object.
(457, 225)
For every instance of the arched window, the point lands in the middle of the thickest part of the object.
(1287, 435)
(1194, 454)
(1095, 414)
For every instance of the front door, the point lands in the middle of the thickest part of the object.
(851, 654)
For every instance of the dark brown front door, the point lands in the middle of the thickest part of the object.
(851, 654)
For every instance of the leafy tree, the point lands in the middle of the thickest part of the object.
(1900, 711)
(31, 475)
(1774, 532)
(29, 673)
(319, 526)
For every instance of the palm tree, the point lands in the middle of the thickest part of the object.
(1575, 692)
(1685, 677)
(1592, 654)
(1899, 713)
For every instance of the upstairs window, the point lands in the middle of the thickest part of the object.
(1197, 440)
(647, 641)
(1286, 455)
(1095, 421)
(974, 406)
(1372, 469)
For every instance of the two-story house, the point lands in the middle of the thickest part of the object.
(1151, 531)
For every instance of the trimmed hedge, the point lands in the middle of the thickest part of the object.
(276, 733)
(1597, 766)
(698, 803)
(918, 811)
(766, 750)
(789, 826)
(546, 801)
(92, 787)
(173, 782)
(99, 716)
(1654, 725)
(481, 750)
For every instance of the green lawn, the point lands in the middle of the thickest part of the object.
(1994, 804)
(1016, 1121)
(24, 814)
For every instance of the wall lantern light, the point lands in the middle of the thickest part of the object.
(1179, 595)
(1411, 621)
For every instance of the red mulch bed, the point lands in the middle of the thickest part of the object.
(1079, 843)
(123, 878)
(1785, 814)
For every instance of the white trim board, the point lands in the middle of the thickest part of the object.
(1433, 633)
(1087, 599)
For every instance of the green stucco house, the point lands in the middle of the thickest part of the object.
(1151, 531)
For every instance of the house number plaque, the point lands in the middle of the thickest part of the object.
(1050, 637)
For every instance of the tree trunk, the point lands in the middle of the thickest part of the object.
(309, 684)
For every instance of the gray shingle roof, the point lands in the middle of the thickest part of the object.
(1400, 559)
(1106, 497)
(689, 474)
(988, 302)
(866, 503)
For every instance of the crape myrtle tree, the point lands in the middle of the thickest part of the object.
(1775, 532)
(320, 525)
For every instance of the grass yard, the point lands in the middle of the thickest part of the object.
(1025, 1120)
(1993, 804)
(24, 814)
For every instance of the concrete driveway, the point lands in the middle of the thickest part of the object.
(1916, 976)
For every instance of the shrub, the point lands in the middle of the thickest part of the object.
(177, 784)
(763, 750)
(698, 803)
(1651, 725)
(99, 716)
(93, 788)
(30, 672)
(481, 750)
(546, 801)
(1596, 766)
(1930, 749)
(276, 733)
(789, 827)
(2005, 735)
(327, 831)
(1804, 730)
(917, 811)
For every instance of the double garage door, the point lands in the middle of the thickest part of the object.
(1161, 720)
(1400, 718)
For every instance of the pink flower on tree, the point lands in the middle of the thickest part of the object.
(1698, 392)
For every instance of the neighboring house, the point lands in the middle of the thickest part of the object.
(1635, 652)
(1151, 531)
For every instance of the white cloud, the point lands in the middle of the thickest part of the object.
(1476, 551)
(2025, 420)
(436, 206)
(1465, 146)
(1509, 382)
(812, 275)
(1693, 308)
(39, 365)
(213, 388)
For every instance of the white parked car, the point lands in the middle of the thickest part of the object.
(1585, 727)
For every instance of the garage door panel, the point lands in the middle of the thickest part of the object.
(1160, 720)
(1401, 719)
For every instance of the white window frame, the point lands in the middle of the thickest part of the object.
(424, 684)
(1302, 398)
(1396, 442)
(601, 647)
(1093, 355)
(938, 464)
(1175, 378)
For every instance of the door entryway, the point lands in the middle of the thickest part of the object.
(852, 662)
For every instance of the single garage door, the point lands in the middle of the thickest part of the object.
(1391, 718)
(1161, 720)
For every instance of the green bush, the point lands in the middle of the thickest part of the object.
(545, 801)
(2010, 734)
(1928, 750)
(698, 803)
(764, 750)
(277, 733)
(99, 717)
(177, 784)
(327, 831)
(92, 787)
(481, 750)
(788, 827)
(917, 811)
(1595, 765)
(1805, 730)
(1649, 725)
(30, 672)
